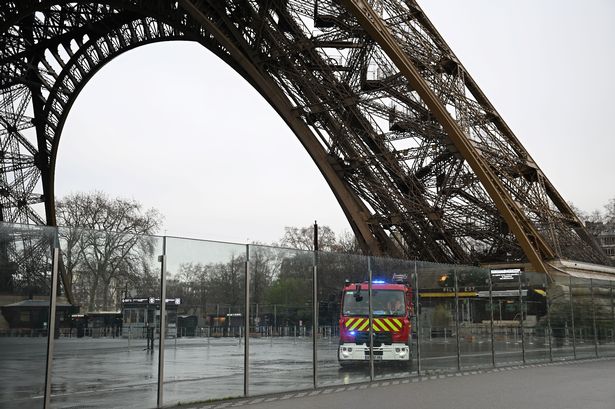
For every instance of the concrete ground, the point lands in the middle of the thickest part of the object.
(586, 384)
(119, 373)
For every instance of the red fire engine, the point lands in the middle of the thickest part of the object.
(391, 322)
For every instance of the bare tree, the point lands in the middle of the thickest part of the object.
(346, 242)
(107, 246)
(609, 208)
(25, 260)
(302, 238)
(595, 217)
(265, 266)
(583, 216)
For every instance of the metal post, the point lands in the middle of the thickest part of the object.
(417, 309)
(591, 292)
(51, 326)
(548, 318)
(457, 321)
(521, 319)
(246, 334)
(612, 314)
(315, 315)
(574, 339)
(490, 281)
(163, 321)
(371, 319)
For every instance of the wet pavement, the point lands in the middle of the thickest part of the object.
(584, 384)
(117, 372)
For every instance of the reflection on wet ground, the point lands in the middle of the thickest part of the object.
(118, 372)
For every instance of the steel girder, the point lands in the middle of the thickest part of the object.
(420, 161)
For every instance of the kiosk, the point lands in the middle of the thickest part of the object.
(141, 312)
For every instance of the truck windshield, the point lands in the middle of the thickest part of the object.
(384, 302)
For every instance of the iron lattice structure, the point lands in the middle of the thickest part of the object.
(420, 161)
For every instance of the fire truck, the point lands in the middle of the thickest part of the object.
(392, 311)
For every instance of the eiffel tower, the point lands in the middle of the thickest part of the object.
(418, 158)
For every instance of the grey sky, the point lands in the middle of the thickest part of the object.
(173, 127)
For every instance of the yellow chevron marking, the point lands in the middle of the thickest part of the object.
(356, 323)
(379, 324)
(382, 325)
(365, 324)
(390, 324)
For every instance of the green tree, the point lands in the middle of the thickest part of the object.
(441, 316)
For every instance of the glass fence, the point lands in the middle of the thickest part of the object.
(118, 320)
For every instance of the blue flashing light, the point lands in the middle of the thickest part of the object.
(378, 282)
(353, 332)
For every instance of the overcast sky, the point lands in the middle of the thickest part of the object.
(174, 128)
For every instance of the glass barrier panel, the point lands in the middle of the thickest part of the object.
(507, 316)
(475, 341)
(343, 304)
(25, 285)
(204, 354)
(393, 316)
(560, 317)
(583, 313)
(281, 317)
(605, 317)
(437, 333)
(100, 357)
(535, 325)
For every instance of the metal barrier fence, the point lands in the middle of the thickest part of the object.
(106, 348)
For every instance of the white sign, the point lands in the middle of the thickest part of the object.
(506, 274)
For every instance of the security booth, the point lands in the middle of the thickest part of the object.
(506, 294)
(186, 325)
(139, 313)
(29, 317)
(104, 323)
(234, 322)
(80, 323)
(226, 325)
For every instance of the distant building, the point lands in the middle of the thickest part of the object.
(605, 235)
(140, 312)
(607, 240)
(31, 316)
